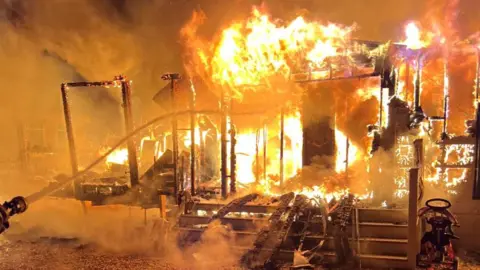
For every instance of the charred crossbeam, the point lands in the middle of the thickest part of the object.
(270, 238)
(341, 216)
(233, 205)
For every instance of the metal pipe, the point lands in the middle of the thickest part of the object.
(257, 157)
(192, 139)
(446, 96)
(233, 160)
(419, 163)
(445, 115)
(69, 129)
(417, 90)
(92, 84)
(223, 145)
(127, 111)
(51, 188)
(282, 143)
(361, 76)
(265, 134)
(380, 117)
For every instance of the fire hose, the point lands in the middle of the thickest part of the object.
(20, 204)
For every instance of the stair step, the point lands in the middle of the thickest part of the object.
(381, 246)
(382, 215)
(367, 260)
(367, 229)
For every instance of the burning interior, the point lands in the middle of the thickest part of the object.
(273, 123)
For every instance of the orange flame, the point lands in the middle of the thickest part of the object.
(251, 52)
(418, 39)
(119, 156)
(346, 152)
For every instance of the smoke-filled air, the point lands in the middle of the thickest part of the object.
(202, 134)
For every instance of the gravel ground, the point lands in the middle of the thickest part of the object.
(63, 256)
(469, 260)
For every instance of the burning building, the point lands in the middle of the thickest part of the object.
(287, 117)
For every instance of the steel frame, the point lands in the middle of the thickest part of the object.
(124, 84)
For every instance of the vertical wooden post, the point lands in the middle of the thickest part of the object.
(193, 124)
(419, 161)
(132, 149)
(163, 206)
(233, 160)
(223, 146)
(265, 135)
(22, 147)
(413, 242)
(476, 180)
(173, 78)
(257, 157)
(282, 143)
(69, 129)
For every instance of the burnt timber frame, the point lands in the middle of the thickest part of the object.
(119, 81)
(173, 77)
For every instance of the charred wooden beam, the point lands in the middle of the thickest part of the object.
(69, 128)
(476, 181)
(173, 78)
(127, 113)
(193, 122)
(233, 206)
(269, 238)
(419, 163)
(412, 218)
(223, 146)
(282, 143)
(256, 257)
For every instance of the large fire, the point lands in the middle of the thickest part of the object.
(119, 156)
(258, 52)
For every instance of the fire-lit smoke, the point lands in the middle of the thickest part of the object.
(96, 40)
(253, 52)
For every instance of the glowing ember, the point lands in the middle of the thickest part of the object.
(260, 51)
(158, 151)
(415, 39)
(199, 137)
(293, 154)
(245, 151)
(119, 156)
